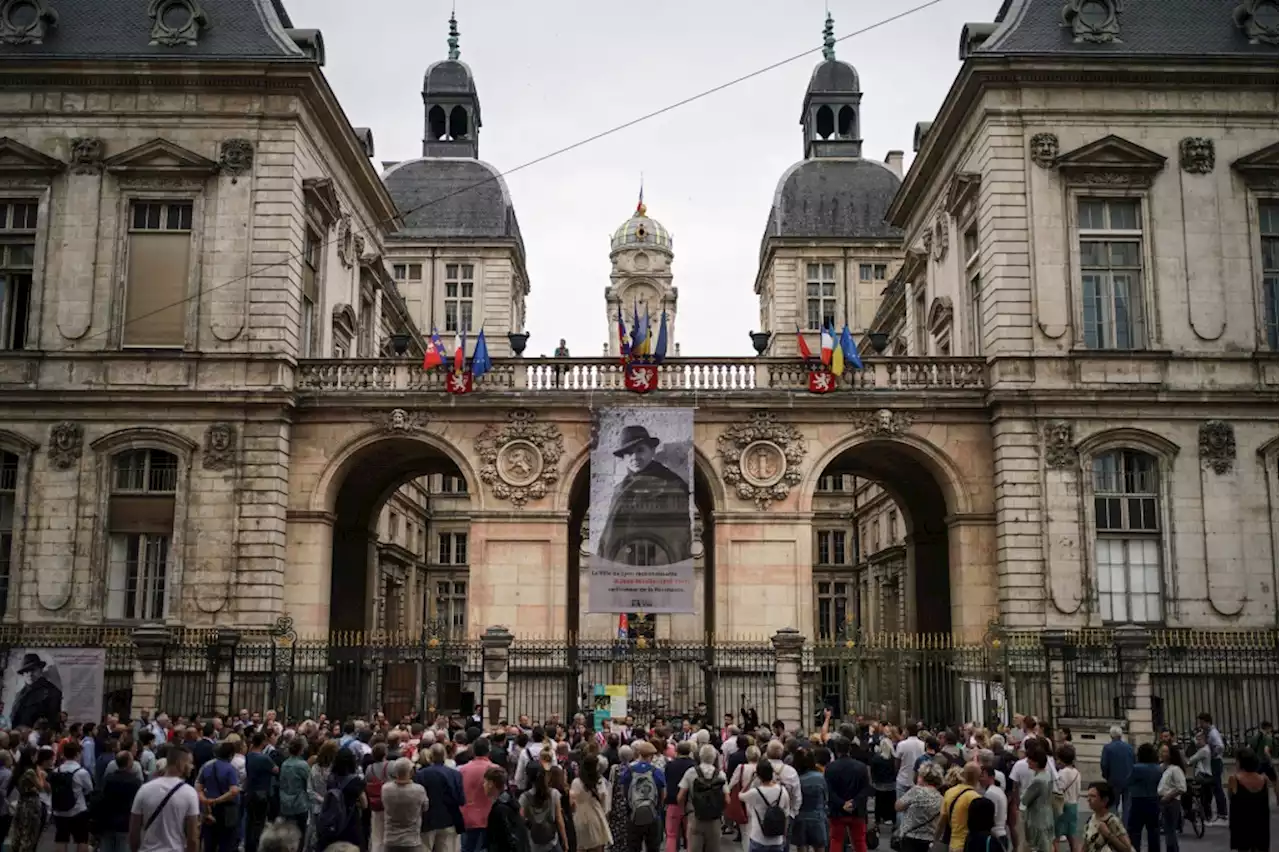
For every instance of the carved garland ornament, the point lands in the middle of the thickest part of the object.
(236, 157)
(520, 459)
(761, 458)
(66, 441)
(86, 155)
(220, 446)
(346, 241)
(1059, 445)
(882, 423)
(1096, 21)
(176, 22)
(401, 420)
(1218, 446)
(1044, 149)
(941, 239)
(1196, 155)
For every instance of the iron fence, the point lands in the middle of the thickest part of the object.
(653, 677)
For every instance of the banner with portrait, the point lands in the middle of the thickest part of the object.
(641, 532)
(43, 683)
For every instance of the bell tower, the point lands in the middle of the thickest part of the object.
(831, 116)
(451, 105)
(641, 255)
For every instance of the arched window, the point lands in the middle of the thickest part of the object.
(140, 533)
(458, 122)
(825, 124)
(1128, 537)
(8, 509)
(435, 122)
(844, 123)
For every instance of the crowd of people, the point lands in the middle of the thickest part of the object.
(261, 784)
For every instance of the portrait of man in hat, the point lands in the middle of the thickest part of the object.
(39, 697)
(649, 518)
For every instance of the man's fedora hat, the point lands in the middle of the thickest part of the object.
(30, 663)
(632, 437)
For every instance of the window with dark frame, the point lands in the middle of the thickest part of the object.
(834, 605)
(832, 547)
(158, 268)
(18, 220)
(1128, 537)
(459, 296)
(820, 295)
(1269, 230)
(451, 548)
(311, 243)
(8, 512)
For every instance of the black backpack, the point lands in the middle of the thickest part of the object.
(542, 822)
(774, 821)
(62, 788)
(334, 816)
(707, 796)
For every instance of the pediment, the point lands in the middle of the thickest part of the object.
(344, 317)
(160, 157)
(940, 313)
(18, 159)
(1259, 169)
(321, 196)
(1111, 160)
(962, 190)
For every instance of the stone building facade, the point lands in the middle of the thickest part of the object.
(232, 465)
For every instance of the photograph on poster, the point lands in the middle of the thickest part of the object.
(44, 683)
(642, 493)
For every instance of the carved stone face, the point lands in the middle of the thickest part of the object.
(884, 420)
(1059, 435)
(398, 419)
(64, 439)
(1044, 149)
(219, 439)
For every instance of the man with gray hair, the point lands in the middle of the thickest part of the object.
(403, 803)
(785, 774)
(703, 793)
(1117, 766)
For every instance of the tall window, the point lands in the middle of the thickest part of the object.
(393, 527)
(365, 340)
(451, 548)
(875, 536)
(1269, 226)
(140, 530)
(310, 292)
(159, 263)
(450, 604)
(831, 547)
(833, 602)
(1126, 508)
(921, 321)
(450, 484)
(820, 294)
(459, 295)
(8, 508)
(1111, 273)
(893, 526)
(973, 273)
(17, 257)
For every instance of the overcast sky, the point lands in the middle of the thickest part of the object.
(551, 74)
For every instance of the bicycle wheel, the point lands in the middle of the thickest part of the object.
(1197, 821)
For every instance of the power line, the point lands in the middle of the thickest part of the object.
(542, 159)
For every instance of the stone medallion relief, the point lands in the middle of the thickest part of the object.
(761, 458)
(520, 459)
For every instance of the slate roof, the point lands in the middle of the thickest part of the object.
(843, 197)
(448, 76)
(121, 29)
(452, 197)
(1147, 28)
(833, 76)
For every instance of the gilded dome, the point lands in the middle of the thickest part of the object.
(641, 231)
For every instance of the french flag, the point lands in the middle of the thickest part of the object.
(460, 352)
(828, 345)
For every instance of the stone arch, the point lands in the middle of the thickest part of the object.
(144, 438)
(1127, 436)
(16, 443)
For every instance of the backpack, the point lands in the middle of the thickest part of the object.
(707, 796)
(373, 786)
(642, 796)
(774, 821)
(62, 786)
(334, 816)
(542, 823)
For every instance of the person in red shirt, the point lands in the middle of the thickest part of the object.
(475, 813)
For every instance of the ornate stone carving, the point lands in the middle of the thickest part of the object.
(66, 441)
(761, 458)
(346, 241)
(402, 420)
(1218, 446)
(1196, 155)
(220, 443)
(1044, 149)
(941, 238)
(176, 22)
(521, 458)
(1059, 444)
(882, 423)
(236, 157)
(359, 249)
(26, 21)
(1258, 28)
(86, 155)
(926, 242)
(1096, 21)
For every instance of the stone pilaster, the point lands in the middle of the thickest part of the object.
(497, 648)
(1133, 644)
(226, 642)
(148, 668)
(787, 646)
(1055, 650)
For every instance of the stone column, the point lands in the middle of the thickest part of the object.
(150, 640)
(1055, 652)
(227, 640)
(497, 648)
(787, 645)
(1133, 643)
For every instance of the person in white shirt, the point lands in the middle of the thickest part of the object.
(758, 800)
(907, 751)
(991, 790)
(784, 774)
(71, 825)
(165, 816)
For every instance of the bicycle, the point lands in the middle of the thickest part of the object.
(1193, 808)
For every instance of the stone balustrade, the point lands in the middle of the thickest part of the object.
(588, 375)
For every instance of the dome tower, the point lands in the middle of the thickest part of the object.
(640, 254)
